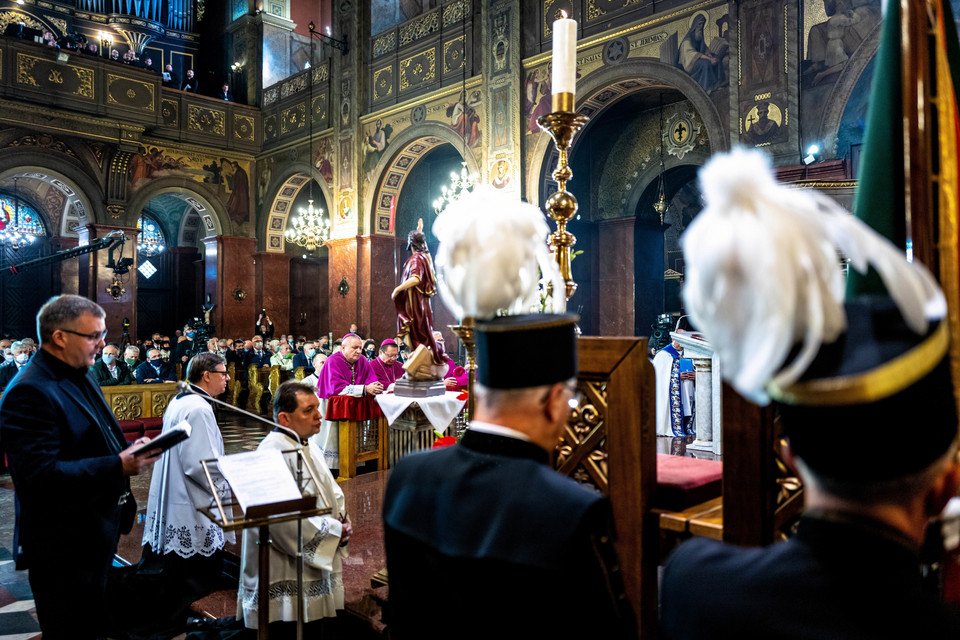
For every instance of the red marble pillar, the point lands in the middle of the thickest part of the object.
(66, 272)
(343, 265)
(615, 281)
(378, 270)
(230, 280)
(273, 289)
(95, 277)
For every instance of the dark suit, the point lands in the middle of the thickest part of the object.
(7, 371)
(490, 521)
(102, 374)
(252, 357)
(62, 443)
(300, 359)
(146, 371)
(836, 578)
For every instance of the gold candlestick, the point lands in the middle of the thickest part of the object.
(466, 331)
(562, 127)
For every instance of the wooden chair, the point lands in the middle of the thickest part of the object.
(256, 388)
(610, 444)
(234, 386)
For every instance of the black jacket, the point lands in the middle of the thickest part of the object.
(836, 578)
(62, 442)
(489, 520)
(145, 371)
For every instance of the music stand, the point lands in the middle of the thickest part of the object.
(262, 516)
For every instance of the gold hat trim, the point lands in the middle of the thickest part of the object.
(869, 386)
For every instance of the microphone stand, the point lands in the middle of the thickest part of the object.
(186, 388)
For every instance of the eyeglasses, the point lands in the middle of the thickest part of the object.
(92, 337)
(223, 373)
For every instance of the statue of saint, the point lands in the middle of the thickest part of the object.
(412, 298)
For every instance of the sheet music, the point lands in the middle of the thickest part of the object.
(259, 477)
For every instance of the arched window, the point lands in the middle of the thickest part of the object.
(151, 240)
(19, 217)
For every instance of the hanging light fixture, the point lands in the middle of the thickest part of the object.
(660, 204)
(10, 233)
(464, 182)
(310, 230)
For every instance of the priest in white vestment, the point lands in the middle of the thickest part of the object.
(182, 541)
(676, 393)
(296, 411)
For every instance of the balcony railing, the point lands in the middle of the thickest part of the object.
(57, 80)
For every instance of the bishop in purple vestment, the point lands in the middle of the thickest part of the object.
(345, 373)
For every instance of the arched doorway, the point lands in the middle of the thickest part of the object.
(615, 160)
(170, 291)
(56, 206)
(308, 288)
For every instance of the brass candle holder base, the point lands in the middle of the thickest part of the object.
(562, 127)
(466, 331)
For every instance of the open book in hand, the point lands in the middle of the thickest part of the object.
(165, 440)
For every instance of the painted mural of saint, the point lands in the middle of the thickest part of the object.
(694, 57)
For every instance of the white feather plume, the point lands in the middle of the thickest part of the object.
(762, 272)
(491, 247)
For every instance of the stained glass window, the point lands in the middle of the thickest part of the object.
(21, 218)
(150, 241)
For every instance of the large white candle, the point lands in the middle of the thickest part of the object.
(565, 56)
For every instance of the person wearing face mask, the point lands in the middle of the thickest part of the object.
(257, 356)
(7, 354)
(131, 357)
(370, 349)
(185, 345)
(282, 358)
(164, 352)
(21, 355)
(109, 370)
(305, 357)
(155, 370)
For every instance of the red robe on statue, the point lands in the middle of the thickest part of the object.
(414, 313)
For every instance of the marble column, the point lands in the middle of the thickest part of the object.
(344, 256)
(230, 280)
(377, 271)
(615, 280)
(273, 289)
(66, 272)
(95, 277)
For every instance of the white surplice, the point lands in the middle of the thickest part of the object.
(179, 486)
(323, 557)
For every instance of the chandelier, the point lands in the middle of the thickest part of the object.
(311, 229)
(10, 234)
(460, 185)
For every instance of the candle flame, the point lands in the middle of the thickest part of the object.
(563, 14)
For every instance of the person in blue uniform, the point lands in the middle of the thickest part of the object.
(485, 539)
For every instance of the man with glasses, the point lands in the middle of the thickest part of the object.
(491, 520)
(70, 466)
(178, 540)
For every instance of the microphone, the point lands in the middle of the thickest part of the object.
(187, 388)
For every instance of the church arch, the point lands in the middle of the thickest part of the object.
(836, 103)
(409, 147)
(78, 199)
(194, 194)
(286, 187)
(604, 88)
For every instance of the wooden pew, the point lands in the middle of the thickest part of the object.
(135, 401)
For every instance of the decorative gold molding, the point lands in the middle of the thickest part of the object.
(111, 79)
(241, 120)
(431, 72)
(462, 54)
(385, 43)
(295, 115)
(381, 83)
(420, 27)
(204, 119)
